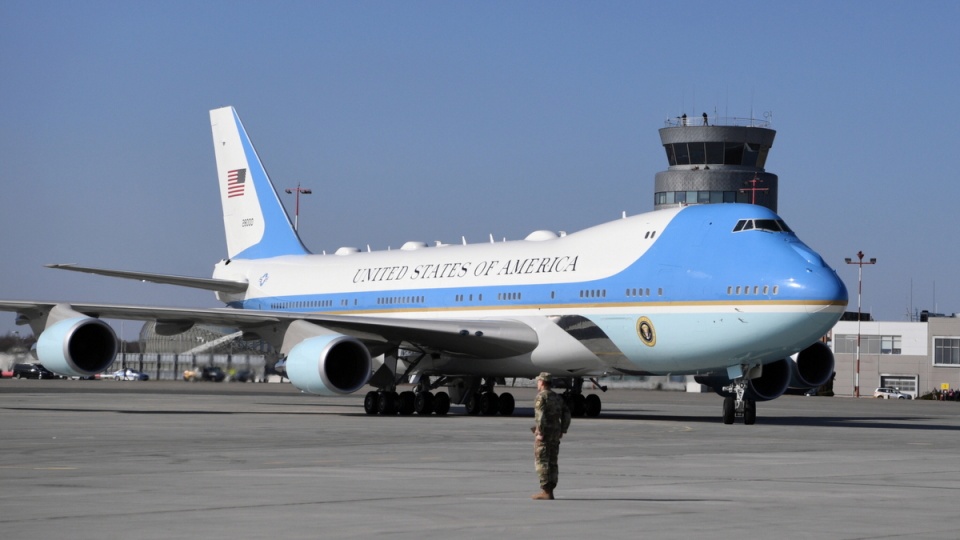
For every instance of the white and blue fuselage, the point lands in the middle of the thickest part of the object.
(686, 290)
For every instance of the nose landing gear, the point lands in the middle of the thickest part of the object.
(736, 405)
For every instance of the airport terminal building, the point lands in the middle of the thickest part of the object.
(916, 357)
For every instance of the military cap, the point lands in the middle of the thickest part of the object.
(545, 377)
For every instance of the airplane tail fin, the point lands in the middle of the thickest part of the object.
(255, 222)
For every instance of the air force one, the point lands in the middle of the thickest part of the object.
(725, 292)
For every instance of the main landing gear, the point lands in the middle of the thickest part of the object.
(485, 402)
(735, 405)
(581, 405)
(477, 398)
(389, 402)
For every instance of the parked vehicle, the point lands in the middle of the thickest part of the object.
(213, 373)
(33, 371)
(126, 375)
(206, 373)
(245, 375)
(889, 392)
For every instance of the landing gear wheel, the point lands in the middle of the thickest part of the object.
(489, 403)
(729, 409)
(578, 405)
(388, 403)
(423, 403)
(507, 404)
(371, 403)
(472, 404)
(441, 404)
(592, 405)
(406, 403)
(749, 412)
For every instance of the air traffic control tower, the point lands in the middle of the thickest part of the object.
(716, 160)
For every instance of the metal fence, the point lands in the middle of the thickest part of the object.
(170, 367)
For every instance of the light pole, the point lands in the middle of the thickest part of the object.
(859, 262)
(298, 190)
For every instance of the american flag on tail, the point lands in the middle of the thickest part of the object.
(236, 180)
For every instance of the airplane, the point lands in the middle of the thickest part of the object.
(725, 292)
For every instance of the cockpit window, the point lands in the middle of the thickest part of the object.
(769, 225)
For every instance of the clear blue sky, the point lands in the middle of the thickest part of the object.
(436, 120)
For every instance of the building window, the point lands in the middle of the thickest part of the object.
(946, 351)
(847, 343)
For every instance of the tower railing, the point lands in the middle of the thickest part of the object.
(721, 121)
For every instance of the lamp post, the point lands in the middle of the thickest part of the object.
(298, 190)
(859, 262)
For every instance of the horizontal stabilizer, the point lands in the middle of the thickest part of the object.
(220, 285)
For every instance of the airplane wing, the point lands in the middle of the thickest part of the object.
(220, 285)
(497, 338)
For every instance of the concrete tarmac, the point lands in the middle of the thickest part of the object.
(160, 460)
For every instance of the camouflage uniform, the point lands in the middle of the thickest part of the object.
(552, 417)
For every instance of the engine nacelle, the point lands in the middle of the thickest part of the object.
(813, 367)
(774, 381)
(329, 365)
(77, 347)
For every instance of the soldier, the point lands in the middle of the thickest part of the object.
(552, 417)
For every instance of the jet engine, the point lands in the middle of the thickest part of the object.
(77, 346)
(329, 365)
(813, 367)
(772, 383)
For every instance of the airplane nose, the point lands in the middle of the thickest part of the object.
(824, 285)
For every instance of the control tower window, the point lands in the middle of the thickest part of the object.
(715, 153)
(680, 150)
(697, 154)
(762, 157)
(690, 197)
(750, 154)
(671, 158)
(733, 154)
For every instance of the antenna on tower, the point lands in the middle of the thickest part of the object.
(753, 189)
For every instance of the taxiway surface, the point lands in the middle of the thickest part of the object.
(160, 460)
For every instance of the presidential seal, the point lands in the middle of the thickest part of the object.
(646, 332)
